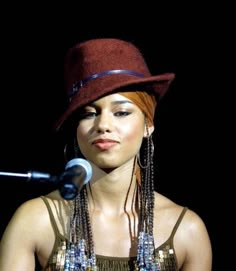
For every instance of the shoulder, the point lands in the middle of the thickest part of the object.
(166, 208)
(28, 214)
(24, 228)
(191, 223)
(193, 228)
(29, 208)
(31, 216)
(191, 238)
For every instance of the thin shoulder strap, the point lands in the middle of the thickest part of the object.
(178, 221)
(52, 219)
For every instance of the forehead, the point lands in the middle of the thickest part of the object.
(112, 99)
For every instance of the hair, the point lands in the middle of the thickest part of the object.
(145, 101)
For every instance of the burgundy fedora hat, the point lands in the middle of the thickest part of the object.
(100, 66)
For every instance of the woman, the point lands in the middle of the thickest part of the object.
(116, 221)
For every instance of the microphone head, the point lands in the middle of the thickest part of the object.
(83, 163)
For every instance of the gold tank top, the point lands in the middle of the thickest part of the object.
(164, 254)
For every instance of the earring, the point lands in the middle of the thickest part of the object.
(147, 152)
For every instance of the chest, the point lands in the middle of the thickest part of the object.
(115, 235)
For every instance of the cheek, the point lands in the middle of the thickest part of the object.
(82, 136)
(83, 130)
(133, 131)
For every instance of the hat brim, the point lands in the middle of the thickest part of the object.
(158, 84)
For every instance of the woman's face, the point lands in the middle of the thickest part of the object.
(110, 131)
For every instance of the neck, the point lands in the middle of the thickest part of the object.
(114, 191)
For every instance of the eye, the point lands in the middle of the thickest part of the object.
(88, 115)
(122, 113)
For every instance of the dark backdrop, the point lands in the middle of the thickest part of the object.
(33, 45)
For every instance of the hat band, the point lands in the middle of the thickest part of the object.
(79, 84)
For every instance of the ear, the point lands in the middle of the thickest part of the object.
(150, 131)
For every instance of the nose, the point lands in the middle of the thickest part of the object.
(104, 122)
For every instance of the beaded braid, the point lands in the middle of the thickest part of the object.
(145, 255)
(81, 235)
(80, 252)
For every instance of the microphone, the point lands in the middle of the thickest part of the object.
(78, 172)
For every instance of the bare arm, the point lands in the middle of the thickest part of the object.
(197, 242)
(19, 241)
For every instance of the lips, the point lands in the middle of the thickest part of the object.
(104, 144)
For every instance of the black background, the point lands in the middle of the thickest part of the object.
(189, 120)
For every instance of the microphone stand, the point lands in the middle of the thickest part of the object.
(30, 176)
(67, 187)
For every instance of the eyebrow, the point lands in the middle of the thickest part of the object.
(113, 103)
